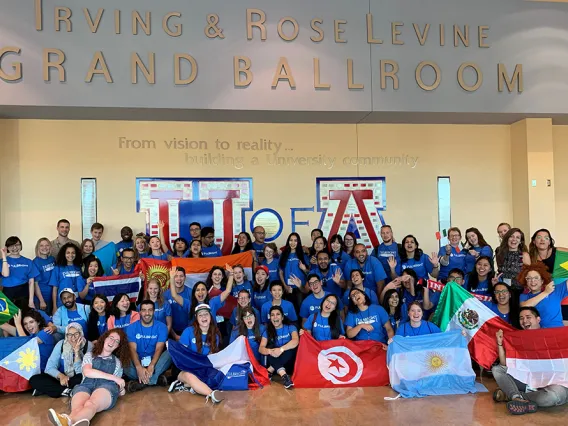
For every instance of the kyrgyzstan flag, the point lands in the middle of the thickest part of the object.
(340, 363)
(152, 268)
(538, 357)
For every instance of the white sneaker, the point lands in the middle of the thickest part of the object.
(215, 397)
(175, 386)
(66, 392)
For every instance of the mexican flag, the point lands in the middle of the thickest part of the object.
(460, 310)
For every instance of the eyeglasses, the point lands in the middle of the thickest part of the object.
(313, 282)
(332, 302)
(456, 279)
(533, 278)
(540, 237)
(114, 341)
(248, 316)
(260, 233)
(73, 335)
(127, 258)
(501, 291)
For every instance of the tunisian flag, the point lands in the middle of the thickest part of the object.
(340, 363)
(538, 357)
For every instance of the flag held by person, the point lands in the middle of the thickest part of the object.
(560, 271)
(460, 310)
(157, 269)
(19, 360)
(7, 309)
(107, 256)
(233, 368)
(339, 363)
(538, 357)
(198, 269)
(113, 285)
(432, 364)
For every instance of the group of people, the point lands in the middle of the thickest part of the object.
(332, 289)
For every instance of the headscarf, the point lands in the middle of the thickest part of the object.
(67, 353)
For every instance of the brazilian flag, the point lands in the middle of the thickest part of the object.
(560, 265)
(7, 309)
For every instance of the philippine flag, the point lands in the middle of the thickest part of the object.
(19, 360)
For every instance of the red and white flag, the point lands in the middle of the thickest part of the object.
(340, 363)
(538, 357)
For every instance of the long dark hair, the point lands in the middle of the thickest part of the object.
(62, 261)
(122, 352)
(177, 240)
(352, 235)
(248, 246)
(271, 330)
(92, 328)
(352, 306)
(256, 287)
(480, 240)
(402, 251)
(504, 247)
(209, 280)
(397, 311)
(513, 304)
(87, 261)
(213, 334)
(473, 279)
(312, 250)
(114, 309)
(533, 251)
(334, 320)
(194, 301)
(287, 250)
(243, 330)
(34, 314)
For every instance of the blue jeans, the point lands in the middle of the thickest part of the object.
(162, 365)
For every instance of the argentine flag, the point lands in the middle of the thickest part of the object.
(432, 364)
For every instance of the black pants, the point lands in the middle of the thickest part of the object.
(286, 361)
(19, 295)
(46, 384)
(296, 298)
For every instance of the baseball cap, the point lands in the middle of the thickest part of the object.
(66, 290)
(201, 307)
(262, 267)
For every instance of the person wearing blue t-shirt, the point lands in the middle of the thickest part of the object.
(258, 244)
(194, 250)
(240, 281)
(127, 261)
(451, 256)
(92, 268)
(280, 343)
(372, 269)
(393, 306)
(544, 294)
(326, 323)
(313, 302)
(357, 278)
(18, 274)
(277, 291)
(70, 311)
(412, 257)
(147, 341)
(365, 321)
(126, 243)
(180, 247)
(155, 250)
(202, 337)
(482, 279)
(97, 320)
(32, 324)
(243, 301)
(45, 263)
(501, 303)
(208, 246)
(416, 326)
(293, 263)
(476, 246)
(331, 275)
(180, 310)
(271, 262)
(250, 327)
(337, 254)
(162, 308)
(67, 272)
(261, 288)
(386, 250)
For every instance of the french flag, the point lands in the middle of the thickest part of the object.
(538, 358)
(113, 285)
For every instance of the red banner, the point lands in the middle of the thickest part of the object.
(340, 363)
(438, 286)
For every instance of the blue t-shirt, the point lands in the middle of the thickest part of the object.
(273, 269)
(211, 251)
(495, 308)
(422, 267)
(188, 339)
(260, 298)
(287, 307)
(312, 304)
(45, 268)
(180, 314)
(246, 285)
(161, 312)
(481, 289)
(394, 322)
(327, 279)
(46, 348)
(550, 307)
(259, 249)
(214, 304)
(124, 271)
(122, 322)
(470, 260)
(73, 316)
(233, 318)
(383, 252)
(457, 260)
(146, 338)
(22, 270)
(292, 267)
(163, 256)
(426, 327)
(102, 324)
(340, 259)
(121, 245)
(374, 315)
(254, 345)
(68, 276)
(372, 270)
(320, 328)
(283, 335)
(371, 293)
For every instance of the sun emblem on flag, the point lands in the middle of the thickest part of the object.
(468, 318)
(27, 359)
(160, 273)
(435, 362)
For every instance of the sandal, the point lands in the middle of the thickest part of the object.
(499, 396)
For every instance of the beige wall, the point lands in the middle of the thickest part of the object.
(43, 161)
(560, 183)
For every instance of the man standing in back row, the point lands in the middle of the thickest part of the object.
(63, 228)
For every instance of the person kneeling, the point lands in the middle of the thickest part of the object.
(202, 337)
(280, 344)
(520, 398)
(147, 339)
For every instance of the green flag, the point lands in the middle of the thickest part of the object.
(7, 309)
(560, 265)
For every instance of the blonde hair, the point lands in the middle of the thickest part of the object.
(41, 240)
